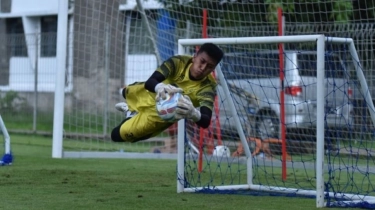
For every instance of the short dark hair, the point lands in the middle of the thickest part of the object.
(212, 50)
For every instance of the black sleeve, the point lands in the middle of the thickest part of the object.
(206, 115)
(154, 79)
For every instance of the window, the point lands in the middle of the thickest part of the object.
(16, 37)
(333, 66)
(5, 6)
(251, 66)
(48, 36)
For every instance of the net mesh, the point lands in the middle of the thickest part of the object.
(115, 36)
(117, 43)
(215, 157)
(113, 43)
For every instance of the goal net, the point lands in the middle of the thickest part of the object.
(263, 134)
(5, 153)
(284, 122)
(109, 47)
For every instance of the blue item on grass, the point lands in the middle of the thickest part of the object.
(6, 160)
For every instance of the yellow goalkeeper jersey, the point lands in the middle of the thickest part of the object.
(176, 71)
(147, 123)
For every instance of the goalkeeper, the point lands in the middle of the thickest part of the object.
(190, 75)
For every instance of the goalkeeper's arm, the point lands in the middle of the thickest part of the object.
(157, 77)
(154, 84)
(186, 109)
(150, 84)
(206, 115)
(154, 80)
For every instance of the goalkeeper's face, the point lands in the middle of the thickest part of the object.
(202, 66)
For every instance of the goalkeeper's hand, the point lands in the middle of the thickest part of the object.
(186, 109)
(161, 89)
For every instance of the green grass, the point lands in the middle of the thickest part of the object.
(37, 181)
(23, 120)
(73, 122)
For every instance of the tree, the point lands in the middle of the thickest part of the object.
(311, 11)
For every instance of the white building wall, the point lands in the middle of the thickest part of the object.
(36, 6)
(147, 4)
(22, 69)
(22, 75)
(139, 68)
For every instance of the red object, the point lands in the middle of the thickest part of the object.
(208, 134)
(350, 92)
(201, 131)
(282, 94)
(293, 90)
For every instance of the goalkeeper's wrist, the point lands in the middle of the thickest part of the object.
(158, 86)
(196, 115)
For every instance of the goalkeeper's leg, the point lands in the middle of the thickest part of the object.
(122, 107)
(115, 135)
(140, 127)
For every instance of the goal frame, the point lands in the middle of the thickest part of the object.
(320, 48)
(6, 158)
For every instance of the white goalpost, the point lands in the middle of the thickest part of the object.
(6, 157)
(190, 174)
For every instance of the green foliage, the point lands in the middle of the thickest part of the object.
(311, 10)
(273, 5)
(242, 14)
(11, 102)
(342, 11)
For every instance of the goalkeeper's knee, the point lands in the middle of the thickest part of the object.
(123, 93)
(115, 135)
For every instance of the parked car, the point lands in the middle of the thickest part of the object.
(257, 75)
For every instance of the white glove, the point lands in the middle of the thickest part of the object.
(161, 89)
(186, 109)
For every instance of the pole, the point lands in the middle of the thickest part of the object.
(282, 94)
(35, 113)
(106, 69)
(58, 116)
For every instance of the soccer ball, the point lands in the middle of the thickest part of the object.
(166, 108)
(221, 151)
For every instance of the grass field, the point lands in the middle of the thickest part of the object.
(36, 181)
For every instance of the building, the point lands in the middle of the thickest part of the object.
(28, 29)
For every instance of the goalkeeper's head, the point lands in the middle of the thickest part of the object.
(212, 50)
(205, 60)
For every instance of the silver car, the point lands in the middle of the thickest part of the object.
(254, 81)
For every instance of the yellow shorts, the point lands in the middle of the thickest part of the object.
(146, 123)
(142, 126)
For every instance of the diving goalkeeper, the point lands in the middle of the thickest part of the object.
(190, 75)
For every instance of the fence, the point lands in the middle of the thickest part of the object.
(27, 72)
